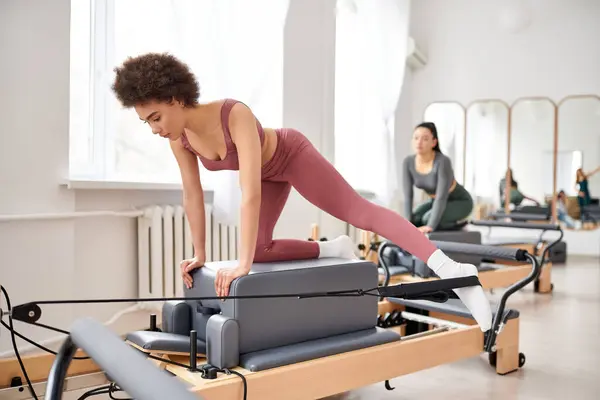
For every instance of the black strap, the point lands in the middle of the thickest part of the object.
(427, 288)
(207, 310)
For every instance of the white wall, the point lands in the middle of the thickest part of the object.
(531, 147)
(579, 130)
(96, 257)
(486, 150)
(472, 57)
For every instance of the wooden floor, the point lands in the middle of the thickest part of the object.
(560, 336)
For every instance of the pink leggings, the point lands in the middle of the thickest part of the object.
(296, 163)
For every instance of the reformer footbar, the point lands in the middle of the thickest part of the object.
(543, 258)
(502, 253)
(531, 226)
(518, 216)
(128, 368)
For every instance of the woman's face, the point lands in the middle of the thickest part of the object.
(423, 141)
(165, 119)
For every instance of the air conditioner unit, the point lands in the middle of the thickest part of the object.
(415, 57)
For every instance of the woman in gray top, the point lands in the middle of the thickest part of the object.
(430, 170)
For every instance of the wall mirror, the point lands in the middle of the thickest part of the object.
(532, 130)
(449, 118)
(579, 148)
(486, 153)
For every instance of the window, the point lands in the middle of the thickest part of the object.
(371, 47)
(234, 47)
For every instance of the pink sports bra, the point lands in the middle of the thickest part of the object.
(230, 161)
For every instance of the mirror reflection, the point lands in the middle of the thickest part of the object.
(486, 161)
(578, 164)
(531, 173)
(449, 119)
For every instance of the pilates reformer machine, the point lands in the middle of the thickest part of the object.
(558, 254)
(397, 265)
(523, 214)
(293, 330)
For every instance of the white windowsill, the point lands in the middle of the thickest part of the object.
(119, 185)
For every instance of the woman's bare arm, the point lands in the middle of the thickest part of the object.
(244, 134)
(588, 174)
(193, 197)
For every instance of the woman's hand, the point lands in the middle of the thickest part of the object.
(188, 266)
(425, 229)
(224, 278)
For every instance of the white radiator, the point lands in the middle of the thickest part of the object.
(164, 240)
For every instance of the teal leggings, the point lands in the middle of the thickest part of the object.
(516, 198)
(458, 207)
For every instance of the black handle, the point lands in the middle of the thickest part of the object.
(381, 258)
(153, 323)
(500, 312)
(193, 350)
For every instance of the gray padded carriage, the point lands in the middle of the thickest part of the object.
(258, 334)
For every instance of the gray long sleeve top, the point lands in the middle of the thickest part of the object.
(438, 181)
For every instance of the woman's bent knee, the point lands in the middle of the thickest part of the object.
(261, 252)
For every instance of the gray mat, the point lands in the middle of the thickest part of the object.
(162, 341)
(295, 353)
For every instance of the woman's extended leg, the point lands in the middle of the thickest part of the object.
(321, 184)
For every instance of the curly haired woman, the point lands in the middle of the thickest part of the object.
(225, 135)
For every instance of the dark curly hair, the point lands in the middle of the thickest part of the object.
(155, 77)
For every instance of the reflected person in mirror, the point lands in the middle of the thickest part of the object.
(224, 134)
(516, 196)
(430, 170)
(584, 197)
(562, 210)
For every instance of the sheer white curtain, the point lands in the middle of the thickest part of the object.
(235, 49)
(238, 54)
(371, 46)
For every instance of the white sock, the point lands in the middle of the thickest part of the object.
(473, 297)
(340, 247)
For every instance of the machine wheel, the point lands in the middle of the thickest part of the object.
(552, 287)
(492, 359)
(521, 360)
